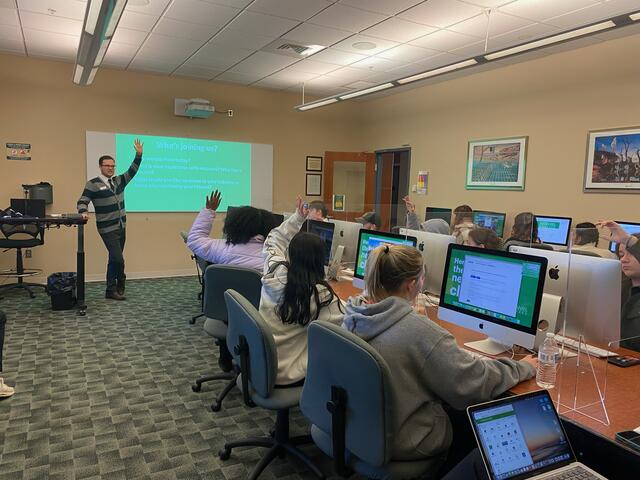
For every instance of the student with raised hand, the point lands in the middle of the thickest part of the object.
(318, 211)
(428, 368)
(484, 238)
(295, 293)
(462, 223)
(585, 239)
(434, 225)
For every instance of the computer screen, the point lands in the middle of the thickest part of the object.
(436, 212)
(325, 231)
(629, 227)
(553, 230)
(29, 207)
(370, 239)
(496, 293)
(433, 247)
(491, 220)
(346, 235)
(520, 435)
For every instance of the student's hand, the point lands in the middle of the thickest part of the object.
(411, 207)
(85, 215)
(618, 233)
(531, 360)
(137, 144)
(301, 207)
(214, 201)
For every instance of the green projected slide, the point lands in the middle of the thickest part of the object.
(500, 287)
(177, 173)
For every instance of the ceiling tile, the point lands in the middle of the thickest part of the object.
(137, 21)
(381, 45)
(438, 61)
(290, 77)
(309, 34)
(179, 47)
(260, 24)
(471, 50)
(241, 78)
(240, 39)
(219, 56)
(9, 16)
(543, 9)
(151, 65)
(263, 64)
(8, 4)
(196, 71)
(312, 66)
(521, 35)
(407, 53)
(346, 75)
(191, 31)
(155, 7)
(337, 57)
(399, 30)
(11, 40)
(489, 3)
(594, 13)
(73, 9)
(11, 46)
(444, 40)
(376, 64)
(498, 23)
(129, 37)
(230, 3)
(49, 23)
(295, 9)
(346, 18)
(195, 11)
(360, 84)
(119, 54)
(51, 44)
(12, 33)
(382, 6)
(441, 13)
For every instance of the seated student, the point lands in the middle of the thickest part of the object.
(484, 238)
(428, 368)
(628, 250)
(434, 225)
(370, 221)
(462, 223)
(524, 232)
(245, 229)
(294, 293)
(585, 239)
(318, 211)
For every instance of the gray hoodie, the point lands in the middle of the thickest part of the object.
(428, 368)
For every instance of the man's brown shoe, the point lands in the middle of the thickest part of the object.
(114, 296)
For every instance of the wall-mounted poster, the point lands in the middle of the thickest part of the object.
(338, 203)
(613, 161)
(497, 164)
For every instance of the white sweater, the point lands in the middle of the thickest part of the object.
(290, 339)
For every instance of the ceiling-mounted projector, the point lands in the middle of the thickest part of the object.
(193, 108)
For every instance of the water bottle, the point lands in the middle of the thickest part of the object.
(548, 360)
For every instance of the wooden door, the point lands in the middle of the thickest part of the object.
(353, 174)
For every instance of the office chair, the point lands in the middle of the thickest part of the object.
(219, 278)
(19, 237)
(348, 400)
(254, 349)
(201, 266)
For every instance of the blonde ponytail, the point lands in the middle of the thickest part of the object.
(388, 266)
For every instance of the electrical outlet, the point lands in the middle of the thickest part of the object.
(230, 113)
(27, 253)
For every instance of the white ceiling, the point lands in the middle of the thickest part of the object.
(225, 40)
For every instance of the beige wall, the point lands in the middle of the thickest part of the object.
(553, 100)
(43, 107)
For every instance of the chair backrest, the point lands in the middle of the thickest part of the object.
(218, 278)
(338, 358)
(246, 322)
(27, 231)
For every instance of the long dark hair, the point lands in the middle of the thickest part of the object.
(486, 237)
(525, 228)
(242, 224)
(305, 271)
(462, 213)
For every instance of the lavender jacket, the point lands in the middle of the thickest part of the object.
(248, 255)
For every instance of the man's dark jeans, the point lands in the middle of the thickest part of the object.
(114, 241)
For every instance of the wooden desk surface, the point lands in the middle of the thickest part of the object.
(576, 387)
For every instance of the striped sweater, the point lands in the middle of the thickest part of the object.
(109, 205)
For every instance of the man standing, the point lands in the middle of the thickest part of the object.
(106, 191)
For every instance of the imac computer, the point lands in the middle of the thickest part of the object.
(495, 293)
(325, 231)
(436, 212)
(628, 227)
(433, 247)
(370, 239)
(491, 220)
(346, 234)
(590, 288)
(554, 230)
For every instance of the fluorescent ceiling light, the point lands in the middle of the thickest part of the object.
(438, 71)
(115, 18)
(92, 75)
(550, 40)
(92, 16)
(375, 88)
(77, 74)
(321, 103)
(101, 53)
(635, 16)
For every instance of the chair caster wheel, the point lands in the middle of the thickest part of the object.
(224, 454)
(215, 407)
(196, 388)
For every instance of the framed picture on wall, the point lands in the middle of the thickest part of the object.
(313, 185)
(613, 161)
(338, 203)
(314, 164)
(496, 164)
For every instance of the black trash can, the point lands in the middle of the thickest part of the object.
(61, 287)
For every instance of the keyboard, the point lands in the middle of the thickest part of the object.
(575, 344)
(574, 473)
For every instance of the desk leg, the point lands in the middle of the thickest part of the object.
(82, 307)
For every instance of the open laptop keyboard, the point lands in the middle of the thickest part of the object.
(575, 473)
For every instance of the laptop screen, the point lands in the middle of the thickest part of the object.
(521, 436)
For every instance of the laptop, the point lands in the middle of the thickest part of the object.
(522, 437)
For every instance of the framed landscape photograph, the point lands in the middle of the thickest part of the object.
(497, 164)
(314, 164)
(613, 161)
